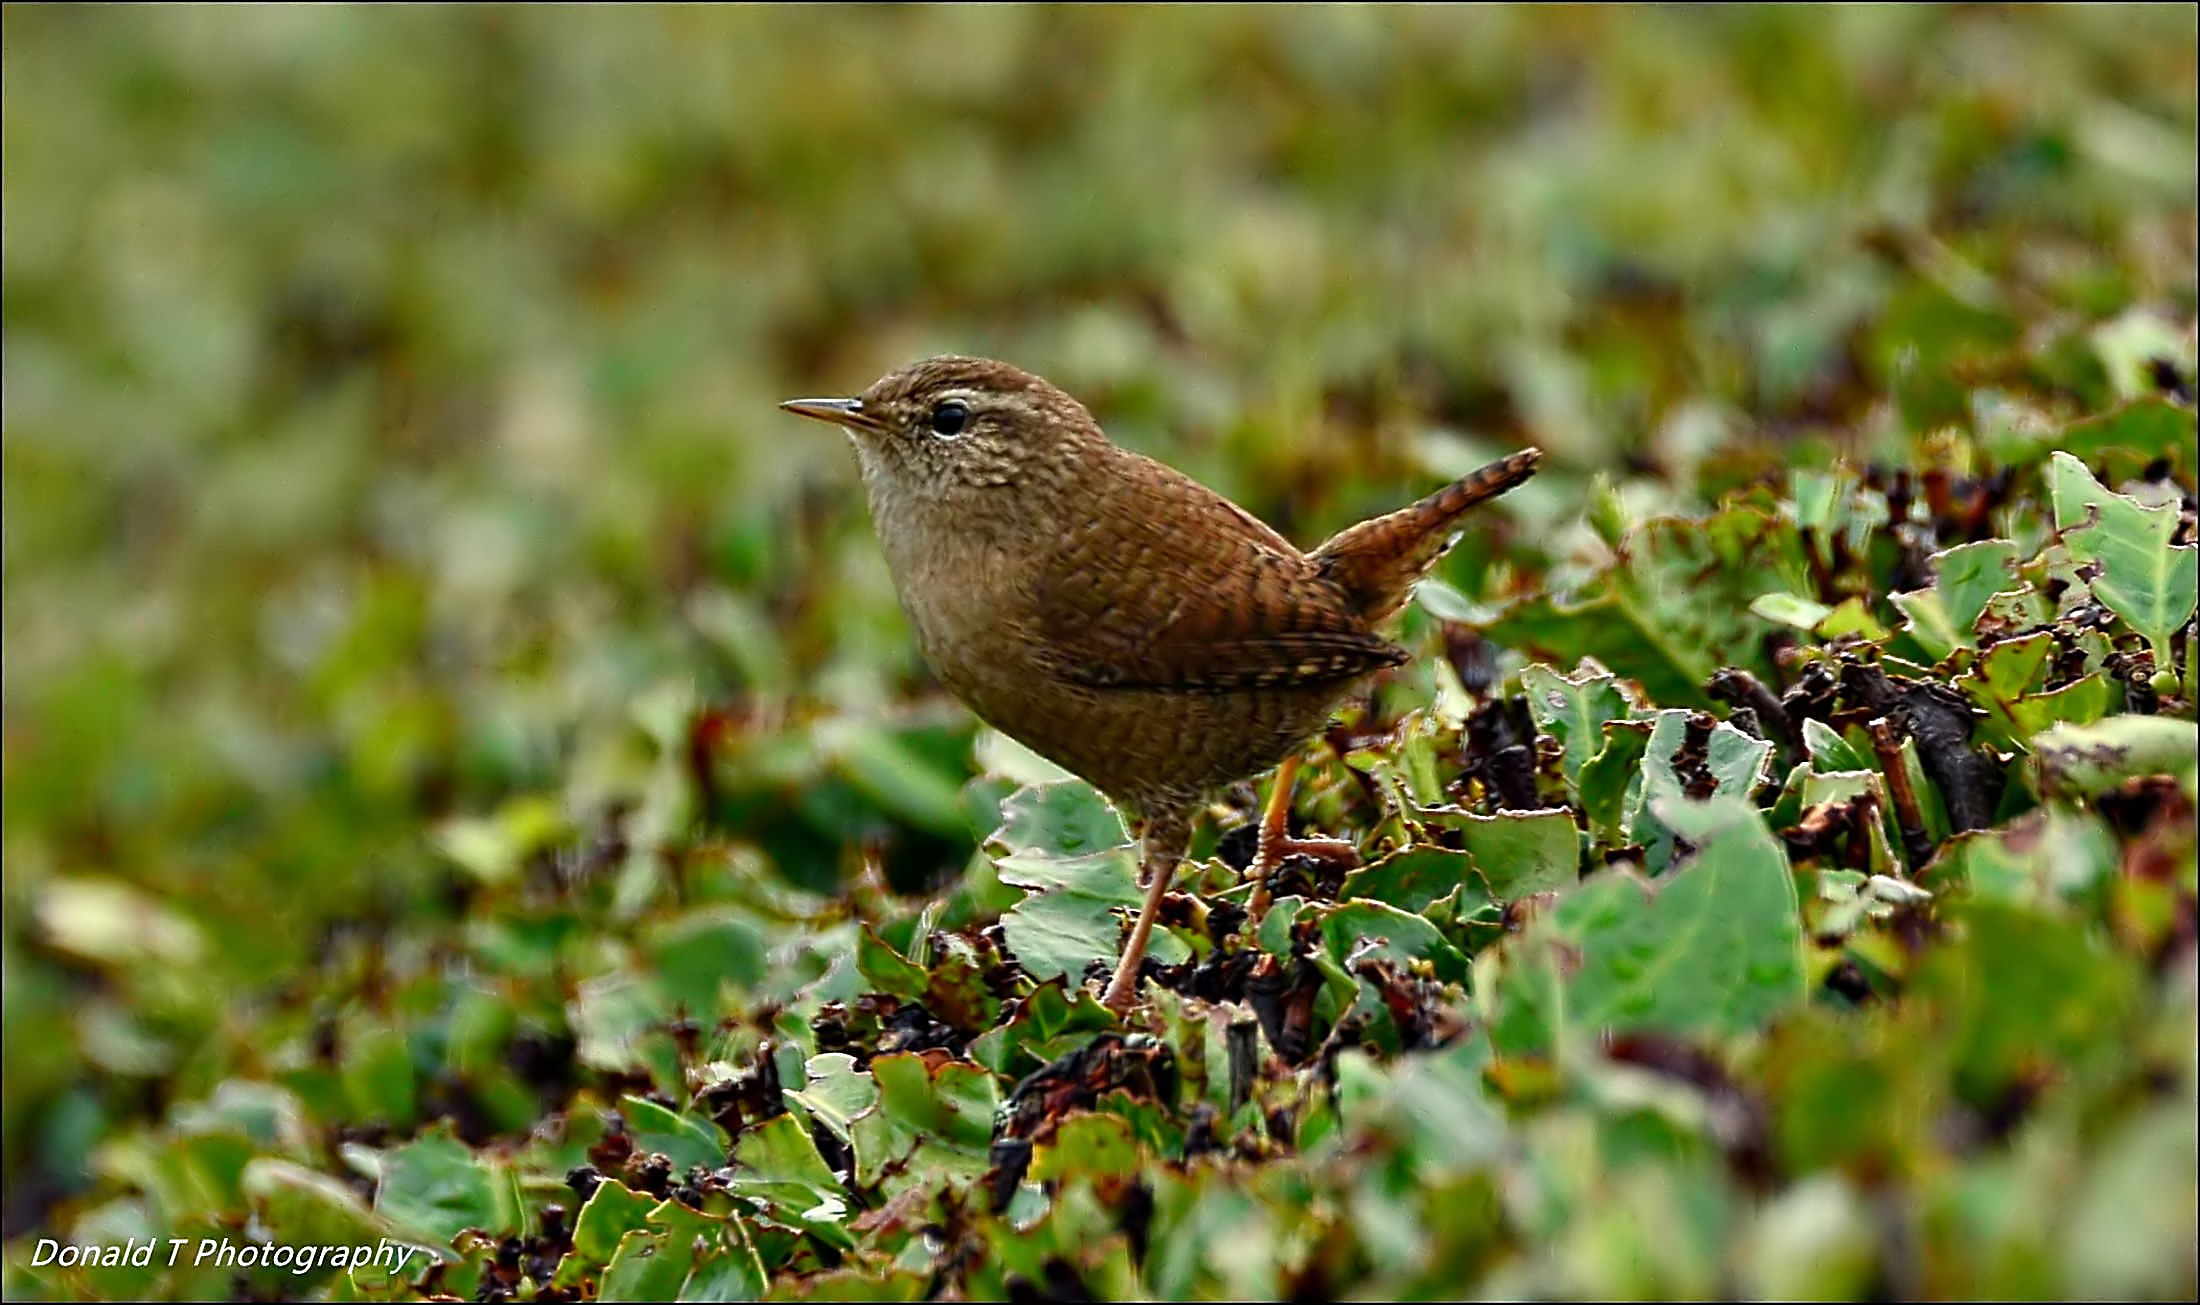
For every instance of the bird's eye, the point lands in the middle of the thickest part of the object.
(949, 417)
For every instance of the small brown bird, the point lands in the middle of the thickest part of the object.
(1116, 616)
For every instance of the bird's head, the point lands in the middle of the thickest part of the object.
(949, 426)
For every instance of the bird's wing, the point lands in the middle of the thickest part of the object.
(1165, 584)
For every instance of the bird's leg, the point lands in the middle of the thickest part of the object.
(1161, 848)
(1275, 841)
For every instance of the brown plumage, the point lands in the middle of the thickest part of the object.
(1108, 611)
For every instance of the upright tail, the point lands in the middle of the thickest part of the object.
(1377, 561)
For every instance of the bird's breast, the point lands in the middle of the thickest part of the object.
(960, 588)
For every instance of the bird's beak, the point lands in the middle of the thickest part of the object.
(840, 412)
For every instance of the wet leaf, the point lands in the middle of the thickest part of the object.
(777, 1162)
(436, 1186)
(2007, 681)
(2084, 760)
(1830, 752)
(1087, 1145)
(687, 1140)
(305, 1207)
(2044, 858)
(1675, 609)
(1942, 618)
(930, 1121)
(1522, 852)
(612, 1212)
(1611, 777)
(2144, 578)
(1412, 877)
(646, 1266)
(1711, 947)
(1350, 926)
(1064, 819)
(1731, 764)
(1573, 710)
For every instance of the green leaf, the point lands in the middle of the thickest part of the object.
(1830, 752)
(2047, 857)
(929, 1123)
(1058, 934)
(777, 1162)
(957, 983)
(2012, 722)
(1401, 936)
(613, 1017)
(1607, 512)
(1276, 929)
(1787, 808)
(378, 1076)
(1852, 616)
(1735, 762)
(685, 1140)
(2150, 427)
(1067, 818)
(897, 772)
(1573, 711)
(724, 1262)
(952, 1103)
(493, 848)
(1521, 852)
(1068, 919)
(1674, 608)
(1412, 877)
(436, 1186)
(885, 969)
(1066, 845)
(303, 1206)
(1713, 947)
(2087, 760)
(611, 1212)
(1446, 603)
(697, 955)
(1610, 776)
(1790, 609)
(1964, 578)
(1824, 786)
(648, 1265)
(2001, 678)
(2150, 582)
(735, 1273)
(835, 1092)
(1818, 496)
(1089, 1145)
(1051, 1011)
(2023, 988)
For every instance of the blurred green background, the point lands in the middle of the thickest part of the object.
(391, 465)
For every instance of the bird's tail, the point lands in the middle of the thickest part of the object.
(1377, 561)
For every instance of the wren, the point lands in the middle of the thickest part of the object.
(1116, 616)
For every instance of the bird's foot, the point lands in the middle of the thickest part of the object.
(1330, 851)
(1276, 842)
(1273, 852)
